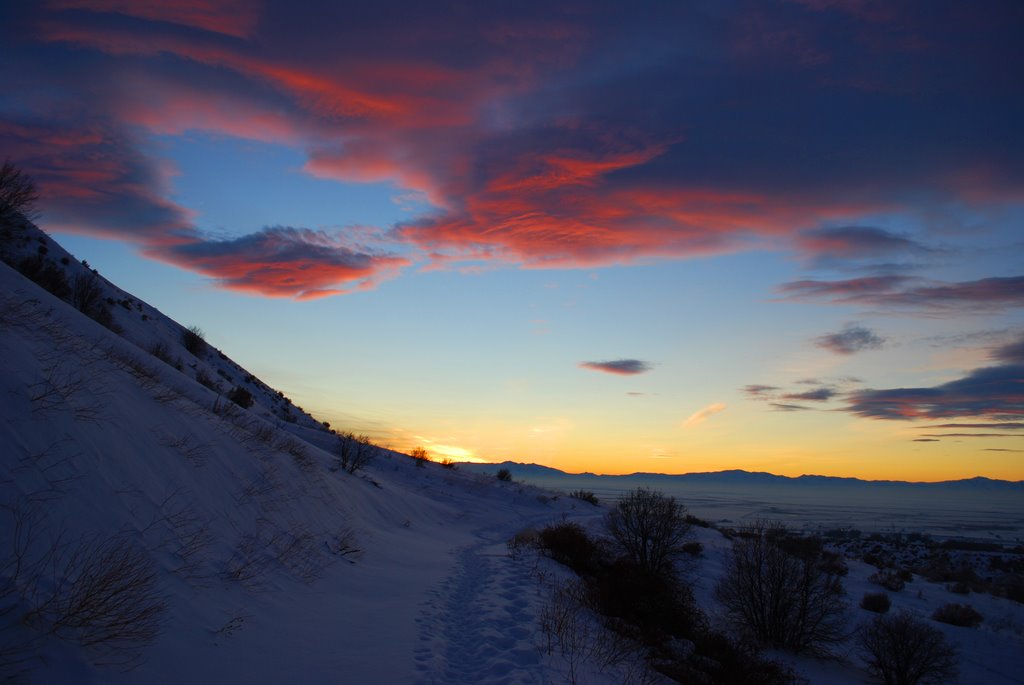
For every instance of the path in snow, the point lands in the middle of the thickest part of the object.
(479, 625)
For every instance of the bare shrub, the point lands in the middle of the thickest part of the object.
(242, 397)
(504, 475)
(194, 341)
(585, 496)
(780, 592)
(146, 376)
(568, 544)
(522, 542)
(890, 580)
(298, 550)
(86, 293)
(46, 274)
(576, 634)
(962, 615)
(294, 448)
(207, 380)
(101, 593)
(18, 194)
(649, 528)
(904, 650)
(354, 451)
(877, 602)
(247, 562)
(61, 382)
(420, 456)
(344, 543)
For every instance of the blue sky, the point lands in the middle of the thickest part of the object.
(778, 236)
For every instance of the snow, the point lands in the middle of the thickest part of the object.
(275, 566)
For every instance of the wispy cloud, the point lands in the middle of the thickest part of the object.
(992, 392)
(619, 367)
(781, 406)
(757, 391)
(1008, 425)
(850, 340)
(904, 292)
(282, 262)
(699, 417)
(840, 247)
(816, 395)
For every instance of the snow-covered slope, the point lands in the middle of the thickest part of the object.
(226, 535)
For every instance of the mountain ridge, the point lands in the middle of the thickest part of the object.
(741, 476)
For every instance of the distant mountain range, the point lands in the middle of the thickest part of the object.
(732, 477)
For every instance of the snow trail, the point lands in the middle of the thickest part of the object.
(479, 625)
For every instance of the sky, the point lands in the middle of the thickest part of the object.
(675, 237)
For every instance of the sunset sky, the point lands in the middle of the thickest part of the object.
(690, 236)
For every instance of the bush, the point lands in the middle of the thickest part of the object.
(649, 528)
(568, 544)
(877, 602)
(584, 495)
(18, 194)
(86, 293)
(449, 464)
(354, 451)
(46, 274)
(194, 341)
(207, 380)
(101, 593)
(780, 592)
(242, 397)
(504, 475)
(694, 549)
(903, 650)
(962, 615)
(888, 579)
(420, 456)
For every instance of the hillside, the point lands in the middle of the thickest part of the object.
(243, 553)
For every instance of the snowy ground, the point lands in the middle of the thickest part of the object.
(274, 566)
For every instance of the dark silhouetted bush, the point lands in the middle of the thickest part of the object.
(504, 475)
(18, 194)
(694, 549)
(584, 495)
(86, 293)
(877, 602)
(697, 521)
(242, 397)
(568, 544)
(962, 615)
(779, 591)
(194, 341)
(46, 274)
(890, 580)
(354, 451)
(649, 528)
(420, 456)
(904, 650)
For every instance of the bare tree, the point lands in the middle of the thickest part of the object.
(354, 451)
(904, 650)
(649, 528)
(86, 293)
(779, 588)
(18, 194)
